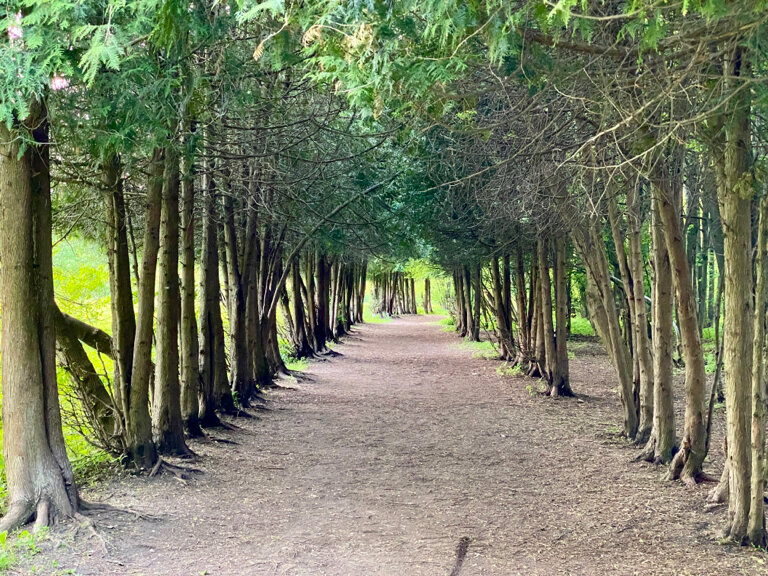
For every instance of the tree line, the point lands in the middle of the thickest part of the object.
(510, 143)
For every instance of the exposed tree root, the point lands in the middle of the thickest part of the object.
(87, 522)
(19, 513)
(180, 473)
(719, 494)
(684, 467)
(103, 507)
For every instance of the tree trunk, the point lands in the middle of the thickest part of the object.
(190, 365)
(640, 319)
(167, 424)
(120, 290)
(560, 375)
(756, 524)
(240, 380)
(141, 448)
(548, 331)
(661, 444)
(468, 304)
(688, 461)
(603, 312)
(39, 477)
(321, 327)
(735, 194)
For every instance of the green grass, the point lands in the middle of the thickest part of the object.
(484, 349)
(581, 327)
(19, 545)
(296, 364)
(369, 317)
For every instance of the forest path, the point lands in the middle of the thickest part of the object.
(386, 459)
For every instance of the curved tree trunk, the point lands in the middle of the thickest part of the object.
(688, 461)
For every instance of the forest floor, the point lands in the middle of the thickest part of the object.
(405, 454)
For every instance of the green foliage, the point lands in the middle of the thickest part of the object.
(581, 327)
(23, 544)
(507, 370)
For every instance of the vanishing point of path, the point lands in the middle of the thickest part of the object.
(406, 455)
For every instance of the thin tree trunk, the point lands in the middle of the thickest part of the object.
(640, 319)
(141, 448)
(190, 365)
(561, 375)
(756, 524)
(661, 444)
(167, 424)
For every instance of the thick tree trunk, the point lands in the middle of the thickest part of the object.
(141, 449)
(38, 474)
(735, 194)
(240, 380)
(167, 424)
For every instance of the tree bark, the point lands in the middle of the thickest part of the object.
(735, 193)
(688, 461)
(561, 375)
(141, 449)
(661, 444)
(190, 344)
(38, 474)
(168, 428)
(210, 311)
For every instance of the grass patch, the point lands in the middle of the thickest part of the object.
(369, 317)
(484, 349)
(296, 364)
(581, 327)
(507, 370)
(19, 545)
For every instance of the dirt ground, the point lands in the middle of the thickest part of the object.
(406, 455)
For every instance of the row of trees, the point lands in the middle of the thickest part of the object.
(632, 133)
(495, 137)
(223, 187)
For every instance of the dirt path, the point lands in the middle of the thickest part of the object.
(404, 456)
